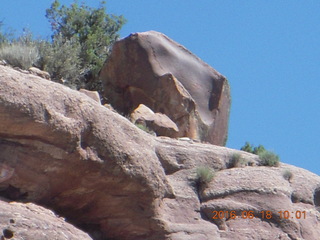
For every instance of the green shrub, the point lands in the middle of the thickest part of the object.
(247, 148)
(93, 29)
(268, 158)
(287, 174)
(145, 128)
(238, 161)
(3, 37)
(204, 175)
(250, 149)
(61, 59)
(19, 54)
(80, 45)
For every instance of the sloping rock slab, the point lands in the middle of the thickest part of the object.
(151, 69)
(29, 221)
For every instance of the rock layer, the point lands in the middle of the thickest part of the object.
(149, 68)
(65, 151)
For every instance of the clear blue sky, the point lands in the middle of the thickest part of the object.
(269, 51)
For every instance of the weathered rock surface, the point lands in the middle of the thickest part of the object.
(92, 94)
(114, 181)
(149, 68)
(77, 157)
(160, 123)
(37, 72)
(29, 221)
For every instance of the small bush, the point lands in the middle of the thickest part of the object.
(204, 175)
(238, 161)
(251, 149)
(61, 60)
(268, 158)
(287, 174)
(19, 54)
(247, 148)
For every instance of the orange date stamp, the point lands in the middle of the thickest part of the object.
(261, 214)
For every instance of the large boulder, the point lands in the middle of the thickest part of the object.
(65, 151)
(152, 69)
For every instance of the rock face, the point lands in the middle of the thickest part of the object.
(67, 156)
(37, 72)
(29, 221)
(64, 151)
(92, 94)
(151, 69)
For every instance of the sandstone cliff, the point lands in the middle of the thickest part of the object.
(64, 151)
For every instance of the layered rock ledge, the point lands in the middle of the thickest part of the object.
(64, 151)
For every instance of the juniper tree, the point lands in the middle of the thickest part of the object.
(94, 29)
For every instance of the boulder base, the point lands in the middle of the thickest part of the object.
(160, 123)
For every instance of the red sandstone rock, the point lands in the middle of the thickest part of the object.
(96, 169)
(149, 68)
(92, 94)
(157, 122)
(37, 72)
(29, 221)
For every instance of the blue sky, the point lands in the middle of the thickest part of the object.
(268, 50)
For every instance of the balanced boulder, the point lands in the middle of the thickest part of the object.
(151, 69)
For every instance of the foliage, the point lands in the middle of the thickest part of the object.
(238, 161)
(258, 150)
(287, 174)
(61, 59)
(93, 29)
(81, 42)
(19, 55)
(247, 148)
(3, 38)
(21, 52)
(145, 128)
(250, 149)
(204, 175)
(267, 158)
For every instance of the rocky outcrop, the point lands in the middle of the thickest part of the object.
(151, 69)
(67, 156)
(29, 221)
(156, 122)
(64, 151)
